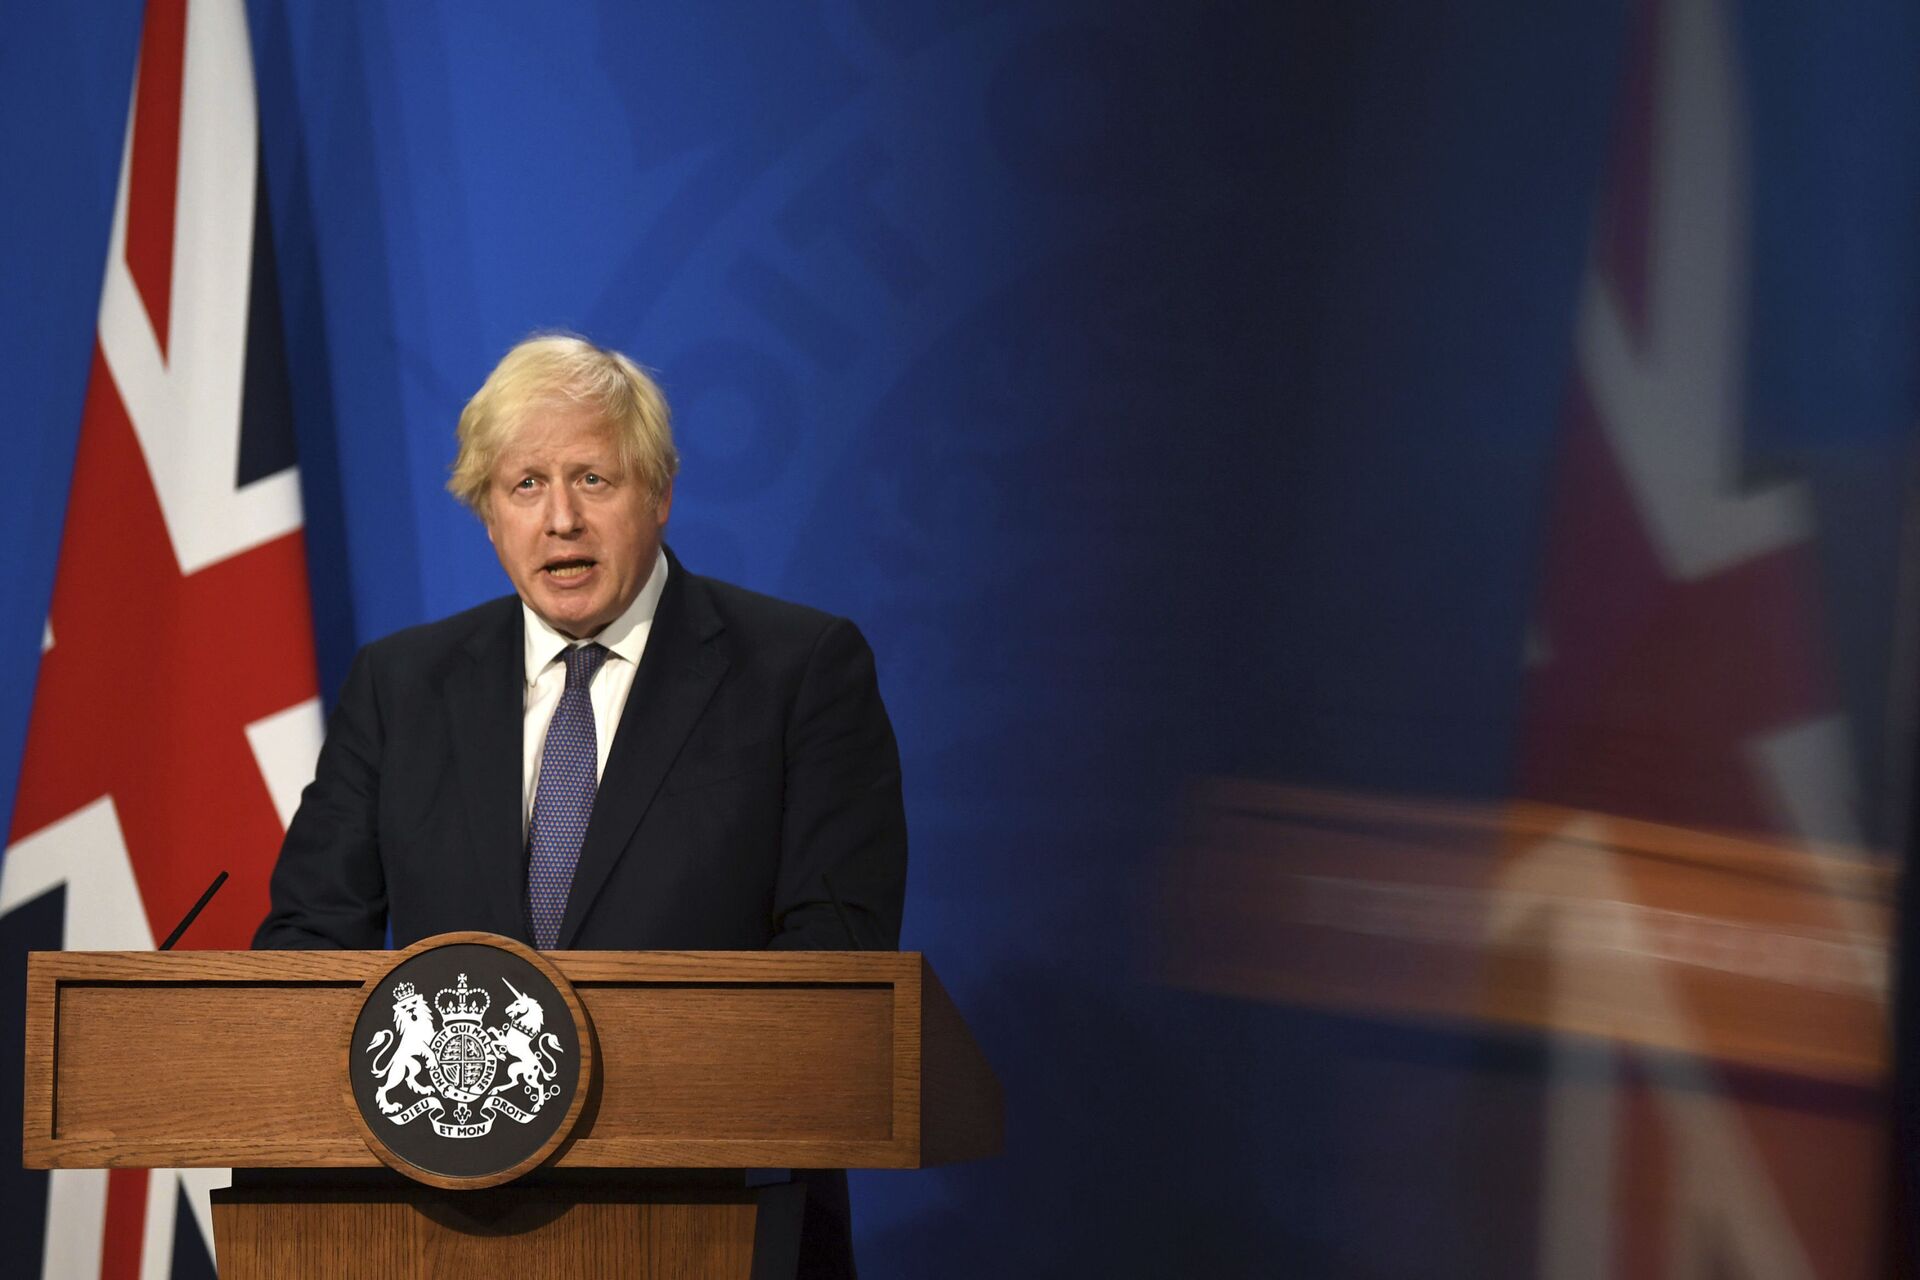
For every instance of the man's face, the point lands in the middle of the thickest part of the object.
(574, 531)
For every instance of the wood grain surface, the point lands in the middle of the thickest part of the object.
(706, 1059)
(527, 1235)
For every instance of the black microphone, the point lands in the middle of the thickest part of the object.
(840, 912)
(194, 914)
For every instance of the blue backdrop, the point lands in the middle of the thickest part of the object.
(1168, 393)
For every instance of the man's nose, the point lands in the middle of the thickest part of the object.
(563, 513)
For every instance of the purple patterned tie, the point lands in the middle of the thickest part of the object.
(563, 801)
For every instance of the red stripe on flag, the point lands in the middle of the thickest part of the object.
(154, 166)
(126, 1224)
(1644, 1181)
(1657, 687)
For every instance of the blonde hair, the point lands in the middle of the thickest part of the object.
(556, 370)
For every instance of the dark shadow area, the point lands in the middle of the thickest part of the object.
(32, 926)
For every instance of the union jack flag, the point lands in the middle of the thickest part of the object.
(1678, 672)
(175, 715)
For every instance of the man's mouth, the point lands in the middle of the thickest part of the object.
(564, 569)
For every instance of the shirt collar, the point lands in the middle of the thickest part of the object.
(624, 637)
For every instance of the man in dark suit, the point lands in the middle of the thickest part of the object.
(621, 756)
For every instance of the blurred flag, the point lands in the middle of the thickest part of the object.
(1682, 899)
(1681, 672)
(175, 715)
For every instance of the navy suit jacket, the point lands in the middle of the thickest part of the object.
(753, 763)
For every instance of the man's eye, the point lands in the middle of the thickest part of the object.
(593, 477)
(526, 482)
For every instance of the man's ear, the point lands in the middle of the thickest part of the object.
(663, 504)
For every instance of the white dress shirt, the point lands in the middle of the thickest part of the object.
(625, 639)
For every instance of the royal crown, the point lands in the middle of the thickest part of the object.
(461, 1003)
(404, 991)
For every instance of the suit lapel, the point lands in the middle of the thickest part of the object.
(486, 699)
(678, 673)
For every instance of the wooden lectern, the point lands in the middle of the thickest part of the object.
(707, 1065)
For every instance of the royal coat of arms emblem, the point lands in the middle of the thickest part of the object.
(463, 1073)
(469, 1060)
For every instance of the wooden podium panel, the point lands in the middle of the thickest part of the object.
(707, 1060)
(808, 1061)
(376, 1232)
(1747, 952)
